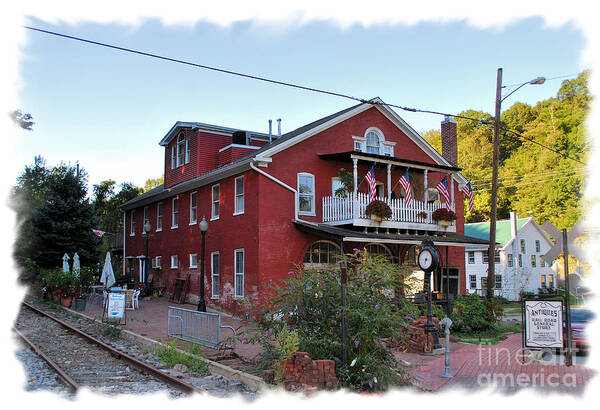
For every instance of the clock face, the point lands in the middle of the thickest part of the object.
(425, 259)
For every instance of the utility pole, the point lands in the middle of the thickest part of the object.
(491, 277)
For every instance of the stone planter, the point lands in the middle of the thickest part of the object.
(80, 303)
(66, 301)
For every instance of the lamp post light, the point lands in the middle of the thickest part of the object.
(491, 277)
(203, 225)
(147, 228)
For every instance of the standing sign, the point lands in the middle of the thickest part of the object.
(543, 323)
(116, 306)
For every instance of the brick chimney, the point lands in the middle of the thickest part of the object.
(449, 142)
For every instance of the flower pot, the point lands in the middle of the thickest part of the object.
(80, 304)
(376, 218)
(66, 301)
(444, 223)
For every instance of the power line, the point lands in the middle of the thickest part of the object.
(529, 176)
(525, 183)
(544, 146)
(287, 84)
(253, 77)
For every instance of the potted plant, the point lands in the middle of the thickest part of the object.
(422, 215)
(66, 296)
(80, 300)
(443, 216)
(378, 210)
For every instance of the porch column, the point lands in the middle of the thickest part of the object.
(452, 192)
(355, 181)
(425, 193)
(389, 181)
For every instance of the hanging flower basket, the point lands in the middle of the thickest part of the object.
(378, 210)
(443, 216)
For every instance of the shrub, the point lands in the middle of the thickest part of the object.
(471, 314)
(309, 303)
(378, 208)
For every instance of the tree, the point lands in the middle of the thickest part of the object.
(106, 204)
(63, 222)
(22, 120)
(152, 183)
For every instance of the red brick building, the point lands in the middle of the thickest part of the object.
(270, 201)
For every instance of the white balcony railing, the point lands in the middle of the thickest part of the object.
(336, 209)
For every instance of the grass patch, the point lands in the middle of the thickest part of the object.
(490, 336)
(171, 356)
(111, 331)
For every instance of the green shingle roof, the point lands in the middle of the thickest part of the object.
(481, 230)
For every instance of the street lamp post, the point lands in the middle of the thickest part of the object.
(147, 228)
(491, 277)
(203, 228)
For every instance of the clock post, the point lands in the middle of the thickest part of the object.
(429, 259)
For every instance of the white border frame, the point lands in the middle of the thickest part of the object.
(192, 194)
(314, 194)
(235, 195)
(212, 276)
(214, 217)
(235, 272)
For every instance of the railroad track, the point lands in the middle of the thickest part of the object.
(82, 360)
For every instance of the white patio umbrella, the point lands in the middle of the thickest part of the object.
(76, 264)
(108, 276)
(66, 263)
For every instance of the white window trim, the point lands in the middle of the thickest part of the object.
(159, 226)
(181, 163)
(173, 213)
(187, 151)
(212, 275)
(132, 223)
(196, 265)
(194, 222)
(214, 217)
(157, 262)
(235, 196)
(173, 160)
(313, 210)
(235, 272)
(177, 260)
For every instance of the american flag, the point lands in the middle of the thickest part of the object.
(98, 232)
(442, 188)
(405, 182)
(370, 177)
(468, 191)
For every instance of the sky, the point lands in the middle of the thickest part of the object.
(108, 109)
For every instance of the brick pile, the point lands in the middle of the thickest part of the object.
(416, 335)
(303, 373)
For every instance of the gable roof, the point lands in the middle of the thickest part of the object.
(481, 230)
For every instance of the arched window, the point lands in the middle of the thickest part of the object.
(322, 252)
(379, 249)
(373, 142)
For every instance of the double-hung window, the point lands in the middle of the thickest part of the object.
(306, 194)
(498, 284)
(537, 246)
(239, 273)
(497, 257)
(471, 257)
(551, 281)
(520, 261)
(522, 245)
(132, 232)
(473, 281)
(181, 143)
(193, 207)
(543, 281)
(533, 261)
(174, 261)
(509, 260)
(175, 214)
(159, 217)
(146, 218)
(239, 195)
(193, 260)
(216, 193)
(214, 268)
(484, 256)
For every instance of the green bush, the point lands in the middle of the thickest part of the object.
(309, 302)
(472, 314)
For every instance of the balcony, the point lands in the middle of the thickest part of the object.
(344, 211)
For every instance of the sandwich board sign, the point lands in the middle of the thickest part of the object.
(543, 323)
(115, 308)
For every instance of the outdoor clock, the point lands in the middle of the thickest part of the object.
(429, 258)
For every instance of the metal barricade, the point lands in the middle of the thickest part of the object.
(197, 327)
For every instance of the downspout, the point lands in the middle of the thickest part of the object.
(124, 221)
(286, 186)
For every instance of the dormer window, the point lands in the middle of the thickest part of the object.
(180, 152)
(374, 143)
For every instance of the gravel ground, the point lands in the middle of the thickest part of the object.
(92, 366)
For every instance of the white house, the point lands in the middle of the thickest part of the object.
(519, 265)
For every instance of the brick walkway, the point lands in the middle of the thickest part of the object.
(472, 366)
